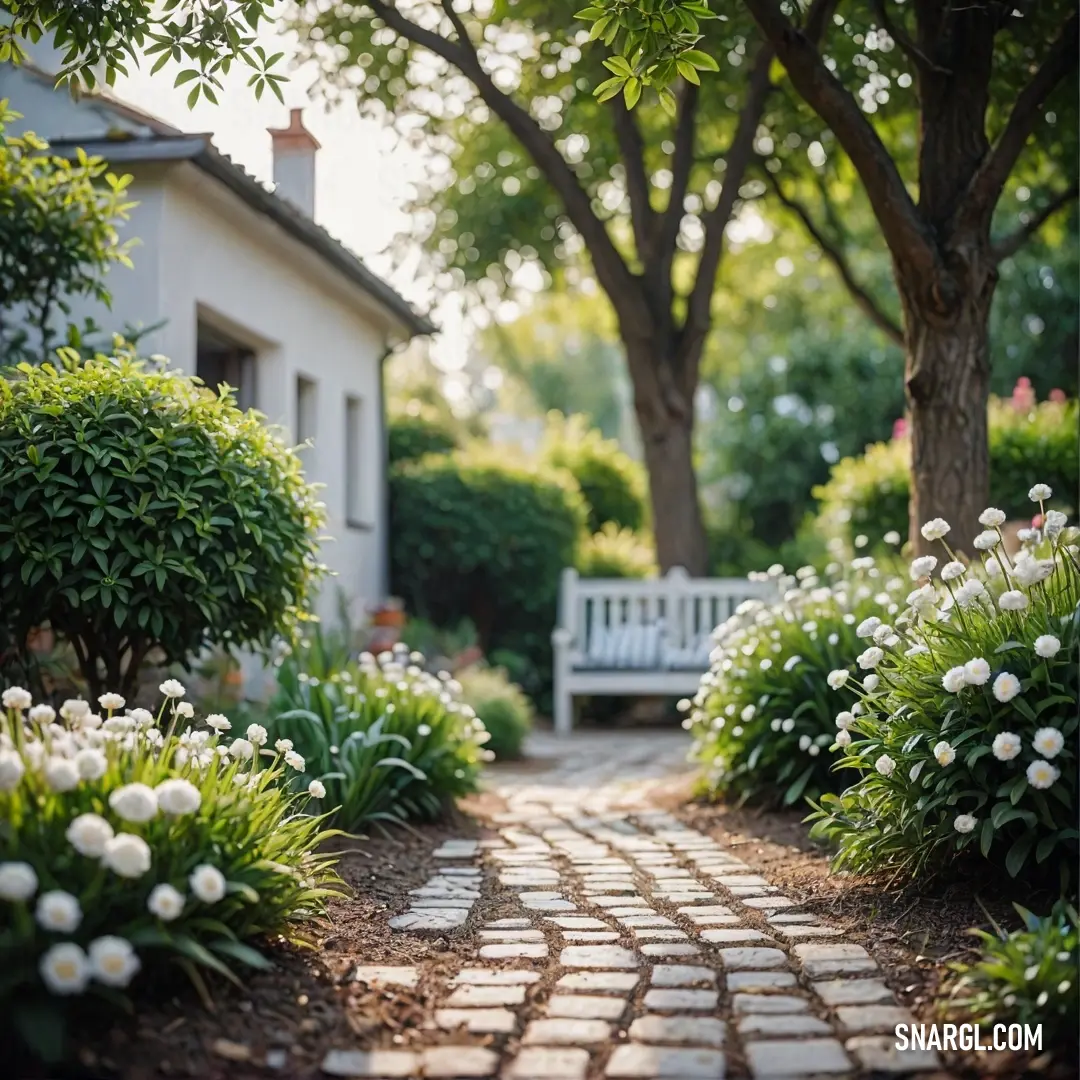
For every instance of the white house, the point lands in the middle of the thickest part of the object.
(252, 292)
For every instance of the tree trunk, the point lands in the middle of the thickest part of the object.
(666, 422)
(946, 377)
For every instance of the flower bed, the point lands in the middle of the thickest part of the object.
(966, 743)
(763, 717)
(124, 846)
(380, 738)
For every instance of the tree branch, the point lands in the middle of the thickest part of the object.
(989, 180)
(834, 253)
(632, 149)
(910, 240)
(906, 42)
(1011, 244)
(739, 155)
(613, 273)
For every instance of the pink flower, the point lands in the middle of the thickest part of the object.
(900, 429)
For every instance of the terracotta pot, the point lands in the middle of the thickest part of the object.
(41, 640)
(388, 618)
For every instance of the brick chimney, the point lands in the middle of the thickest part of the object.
(294, 163)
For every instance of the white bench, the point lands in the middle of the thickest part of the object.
(630, 636)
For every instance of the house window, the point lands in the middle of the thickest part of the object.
(307, 408)
(354, 484)
(221, 359)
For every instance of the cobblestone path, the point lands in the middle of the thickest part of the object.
(640, 948)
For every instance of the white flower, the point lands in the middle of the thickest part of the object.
(991, 517)
(65, 969)
(964, 823)
(885, 765)
(837, 678)
(977, 672)
(1055, 522)
(866, 628)
(993, 568)
(134, 802)
(256, 734)
(952, 570)
(42, 714)
(953, 680)
(922, 567)
(1041, 774)
(143, 717)
(15, 697)
(241, 748)
(177, 796)
(1040, 493)
(295, 761)
(804, 742)
(987, 540)
(1029, 571)
(127, 855)
(113, 960)
(172, 688)
(1006, 687)
(918, 649)
(747, 713)
(882, 634)
(61, 774)
(316, 790)
(18, 882)
(1006, 746)
(935, 530)
(844, 720)
(870, 658)
(185, 709)
(88, 834)
(283, 746)
(944, 753)
(11, 769)
(1046, 645)
(207, 883)
(1048, 742)
(843, 738)
(166, 902)
(788, 726)
(891, 537)
(218, 722)
(111, 702)
(75, 709)
(58, 911)
(814, 750)
(91, 763)
(792, 662)
(871, 683)
(970, 591)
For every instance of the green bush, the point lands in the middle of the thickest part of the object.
(411, 436)
(765, 713)
(479, 537)
(616, 553)
(125, 846)
(387, 740)
(869, 495)
(140, 511)
(612, 483)
(501, 705)
(966, 746)
(1027, 977)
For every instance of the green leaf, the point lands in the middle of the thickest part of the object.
(632, 92)
(1014, 860)
(701, 60)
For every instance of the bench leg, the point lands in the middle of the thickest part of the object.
(564, 712)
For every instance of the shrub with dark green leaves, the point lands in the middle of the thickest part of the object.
(1028, 976)
(481, 537)
(411, 436)
(616, 553)
(765, 714)
(612, 483)
(387, 740)
(1029, 444)
(139, 510)
(965, 746)
(501, 705)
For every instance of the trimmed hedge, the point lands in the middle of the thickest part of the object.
(412, 436)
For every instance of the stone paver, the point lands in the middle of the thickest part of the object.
(681, 1000)
(638, 1060)
(430, 919)
(566, 1031)
(479, 1021)
(680, 1030)
(373, 1063)
(752, 959)
(549, 1063)
(825, 961)
(528, 950)
(733, 936)
(782, 1025)
(863, 1019)
(803, 1057)
(768, 1003)
(494, 977)
(597, 956)
(759, 980)
(383, 975)
(877, 1053)
(676, 948)
(586, 1007)
(853, 991)
(682, 975)
(466, 996)
(615, 982)
(459, 1062)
